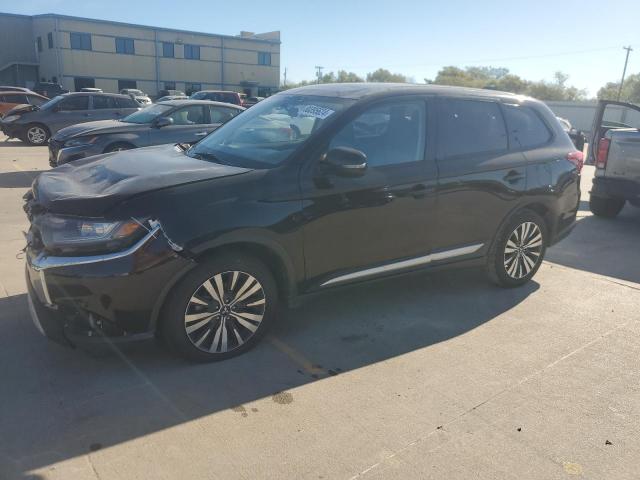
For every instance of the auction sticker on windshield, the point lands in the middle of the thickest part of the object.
(314, 111)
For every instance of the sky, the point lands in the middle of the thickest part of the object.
(532, 39)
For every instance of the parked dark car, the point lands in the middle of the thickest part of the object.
(202, 244)
(49, 89)
(35, 125)
(577, 136)
(616, 155)
(225, 96)
(178, 121)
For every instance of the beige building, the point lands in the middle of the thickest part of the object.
(82, 52)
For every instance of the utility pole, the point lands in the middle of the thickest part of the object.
(285, 77)
(624, 70)
(319, 73)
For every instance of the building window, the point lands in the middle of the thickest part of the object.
(169, 85)
(80, 41)
(39, 43)
(122, 84)
(264, 58)
(190, 88)
(192, 52)
(50, 39)
(125, 45)
(264, 91)
(83, 82)
(168, 50)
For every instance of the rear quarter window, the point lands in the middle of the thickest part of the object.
(526, 128)
(468, 127)
(126, 103)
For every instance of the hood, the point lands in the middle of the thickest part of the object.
(23, 108)
(97, 127)
(92, 186)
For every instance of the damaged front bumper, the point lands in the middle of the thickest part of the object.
(78, 300)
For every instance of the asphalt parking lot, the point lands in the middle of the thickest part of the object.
(426, 376)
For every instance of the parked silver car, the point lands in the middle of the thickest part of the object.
(35, 125)
(176, 121)
(138, 95)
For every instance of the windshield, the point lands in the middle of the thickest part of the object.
(51, 103)
(268, 133)
(148, 114)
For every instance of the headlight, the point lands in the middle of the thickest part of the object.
(78, 141)
(10, 118)
(76, 235)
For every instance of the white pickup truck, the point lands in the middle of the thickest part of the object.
(615, 151)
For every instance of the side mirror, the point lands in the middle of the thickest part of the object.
(345, 161)
(162, 122)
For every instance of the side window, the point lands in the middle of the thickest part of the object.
(33, 100)
(526, 128)
(77, 102)
(101, 102)
(18, 98)
(125, 103)
(191, 115)
(470, 126)
(221, 114)
(388, 134)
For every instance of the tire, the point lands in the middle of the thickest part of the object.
(118, 147)
(36, 134)
(605, 207)
(193, 320)
(518, 250)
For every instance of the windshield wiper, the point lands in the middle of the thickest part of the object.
(204, 156)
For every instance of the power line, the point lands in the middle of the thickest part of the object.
(624, 70)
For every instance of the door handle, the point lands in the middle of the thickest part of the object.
(513, 176)
(201, 134)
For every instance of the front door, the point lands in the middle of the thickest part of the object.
(189, 125)
(69, 111)
(381, 221)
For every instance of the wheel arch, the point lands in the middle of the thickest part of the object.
(275, 260)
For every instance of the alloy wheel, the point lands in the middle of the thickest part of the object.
(523, 250)
(36, 135)
(224, 312)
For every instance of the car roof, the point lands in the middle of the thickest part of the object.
(186, 101)
(357, 91)
(217, 91)
(103, 94)
(19, 92)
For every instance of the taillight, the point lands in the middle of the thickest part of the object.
(603, 152)
(577, 158)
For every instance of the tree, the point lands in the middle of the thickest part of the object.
(630, 90)
(385, 76)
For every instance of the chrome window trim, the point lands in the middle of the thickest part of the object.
(43, 261)
(411, 262)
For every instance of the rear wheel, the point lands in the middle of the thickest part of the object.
(220, 309)
(518, 250)
(605, 207)
(36, 134)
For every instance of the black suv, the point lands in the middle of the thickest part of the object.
(49, 89)
(311, 188)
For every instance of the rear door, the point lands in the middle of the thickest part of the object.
(480, 180)
(103, 107)
(190, 124)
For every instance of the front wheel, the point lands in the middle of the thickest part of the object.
(36, 135)
(220, 309)
(518, 250)
(605, 207)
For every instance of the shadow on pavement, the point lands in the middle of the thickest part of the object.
(60, 403)
(20, 179)
(603, 246)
